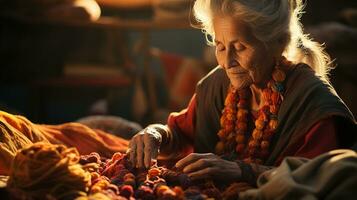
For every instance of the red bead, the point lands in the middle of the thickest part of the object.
(242, 103)
(243, 94)
(268, 134)
(240, 148)
(229, 127)
(264, 145)
(242, 126)
(264, 153)
(252, 152)
(265, 109)
(253, 144)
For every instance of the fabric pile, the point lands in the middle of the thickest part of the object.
(47, 171)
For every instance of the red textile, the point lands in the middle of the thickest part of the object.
(320, 138)
(183, 122)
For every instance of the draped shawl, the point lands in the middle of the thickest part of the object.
(307, 100)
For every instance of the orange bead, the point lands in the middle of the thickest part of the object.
(259, 124)
(265, 109)
(242, 126)
(278, 75)
(231, 136)
(257, 134)
(240, 132)
(242, 119)
(154, 172)
(223, 120)
(274, 109)
(229, 99)
(242, 113)
(273, 124)
(266, 95)
(240, 148)
(240, 139)
(275, 98)
(229, 127)
(222, 134)
(219, 147)
(253, 144)
(242, 103)
(248, 160)
(262, 116)
(230, 117)
(129, 176)
(268, 134)
(252, 152)
(264, 145)
(161, 189)
(243, 94)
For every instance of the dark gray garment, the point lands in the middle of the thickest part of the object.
(332, 175)
(307, 100)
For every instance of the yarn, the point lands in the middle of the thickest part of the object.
(46, 171)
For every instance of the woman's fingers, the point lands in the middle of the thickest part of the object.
(193, 157)
(132, 152)
(196, 166)
(144, 147)
(139, 154)
(151, 149)
(206, 173)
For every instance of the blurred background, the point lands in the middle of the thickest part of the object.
(65, 60)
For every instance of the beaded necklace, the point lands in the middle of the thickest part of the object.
(234, 120)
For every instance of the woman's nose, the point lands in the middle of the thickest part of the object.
(230, 61)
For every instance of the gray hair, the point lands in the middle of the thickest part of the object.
(271, 21)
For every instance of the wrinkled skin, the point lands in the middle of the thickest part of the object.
(248, 63)
(144, 147)
(209, 166)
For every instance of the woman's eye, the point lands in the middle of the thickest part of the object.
(220, 47)
(239, 46)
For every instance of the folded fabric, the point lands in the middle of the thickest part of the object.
(17, 132)
(329, 176)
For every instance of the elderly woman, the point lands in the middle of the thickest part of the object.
(269, 97)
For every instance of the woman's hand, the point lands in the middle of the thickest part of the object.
(144, 146)
(209, 166)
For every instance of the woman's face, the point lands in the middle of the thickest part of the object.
(245, 59)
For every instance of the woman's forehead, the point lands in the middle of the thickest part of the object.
(230, 28)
